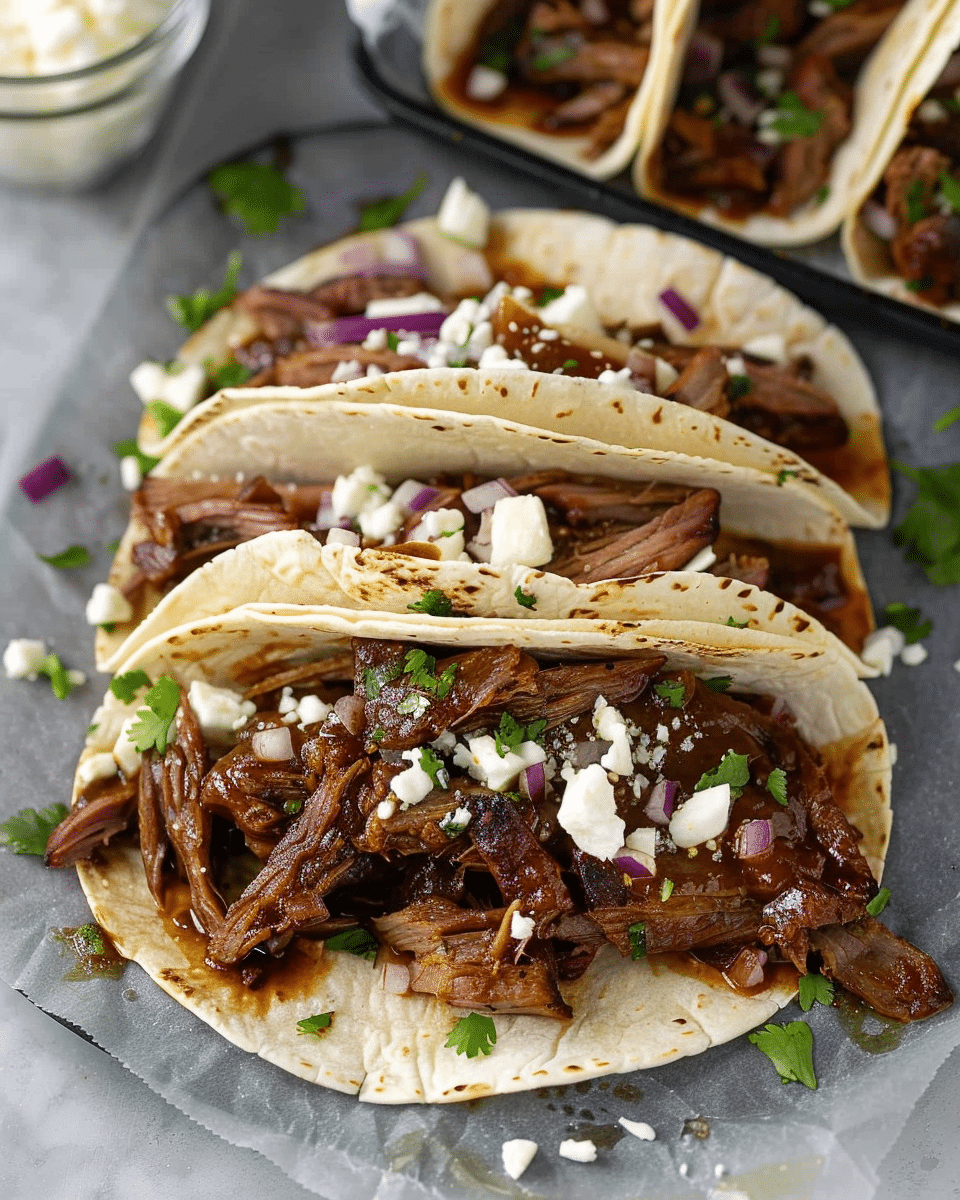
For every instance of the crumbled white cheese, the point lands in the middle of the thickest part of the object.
(588, 811)
(444, 528)
(481, 339)
(771, 346)
(770, 82)
(496, 356)
(97, 766)
(76, 678)
(373, 371)
(572, 307)
(464, 215)
(376, 339)
(480, 759)
(386, 809)
(735, 365)
(363, 490)
(892, 746)
(458, 326)
(445, 742)
(131, 476)
(414, 784)
(914, 654)
(382, 522)
(219, 710)
(639, 1129)
(312, 709)
(107, 605)
(880, 648)
(345, 371)
(287, 703)
(404, 306)
(611, 727)
(181, 388)
(517, 1155)
(931, 111)
(456, 820)
(610, 376)
(521, 927)
(23, 658)
(577, 1151)
(485, 84)
(664, 375)
(520, 532)
(644, 841)
(125, 753)
(702, 817)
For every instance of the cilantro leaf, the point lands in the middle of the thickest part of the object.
(381, 214)
(166, 416)
(814, 987)
(548, 59)
(784, 475)
(790, 1048)
(375, 677)
(153, 727)
(950, 191)
(432, 764)
(916, 203)
(354, 941)
(931, 528)
(89, 939)
(733, 769)
(948, 419)
(473, 1035)
(908, 621)
(257, 195)
(414, 705)
(393, 340)
(496, 50)
(193, 311)
(60, 681)
(524, 599)
(420, 667)
(231, 374)
(435, 603)
(126, 686)
(511, 734)
(770, 31)
(721, 683)
(794, 119)
(738, 385)
(671, 690)
(130, 449)
(666, 890)
(879, 902)
(737, 624)
(315, 1025)
(923, 284)
(569, 364)
(29, 831)
(824, 191)
(73, 556)
(638, 940)
(777, 785)
(548, 294)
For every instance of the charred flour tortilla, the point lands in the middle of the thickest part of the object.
(390, 1048)
(902, 236)
(786, 122)
(625, 271)
(568, 88)
(310, 441)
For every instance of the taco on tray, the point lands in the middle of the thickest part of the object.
(570, 82)
(755, 378)
(571, 849)
(452, 514)
(902, 236)
(774, 111)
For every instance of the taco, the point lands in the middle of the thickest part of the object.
(902, 236)
(470, 516)
(599, 850)
(755, 377)
(774, 110)
(574, 83)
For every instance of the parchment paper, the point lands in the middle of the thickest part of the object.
(771, 1141)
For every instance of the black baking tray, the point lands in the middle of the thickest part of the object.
(840, 300)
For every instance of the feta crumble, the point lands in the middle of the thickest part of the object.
(914, 654)
(482, 762)
(181, 389)
(363, 490)
(881, 647)
(588, 811)
(444, 528)
(464, 215)
(219, 710)
(521, 927)
(131, 475)
(520, 532)
(578, 1151)
(107, 605)
(611, 726)
(572, 307)
(703, 816)
(639, 1129)
(23, 658)
(414, 784)
(517, 1155)
(404, 306)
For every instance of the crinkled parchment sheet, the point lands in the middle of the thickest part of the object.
(773, 1141)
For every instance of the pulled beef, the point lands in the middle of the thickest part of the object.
(703, 383)
(592, 62)
(803, 165)
(92, 823)
(850, 34)
(682, 923)
(280, 313)
(929, 255)
(787, 409)
(590, 104)
(584, 503)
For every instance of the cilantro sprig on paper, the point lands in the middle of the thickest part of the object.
(813, 989)
(931, 528)
(381, 214)
(29, 831)
(790, 1048)
(73, 556)
(257, 195)
(156, 720)
(60, 682)
(193, 311)
(473, 1035)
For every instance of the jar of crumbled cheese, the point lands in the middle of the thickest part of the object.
(83, 82)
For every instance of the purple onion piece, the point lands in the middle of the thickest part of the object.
(878, 220)
(761, 154)
(688, 316)
(633, 867)
(703, 58)
(401, 256)
(328, 519)
(486, 495)
(737, 95)
(45, 478)
(533, 781)
(350, 711)
(354, 330)
(780, 710)
(754, 837)
(659, 808)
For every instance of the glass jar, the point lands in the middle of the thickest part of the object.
(69, 131)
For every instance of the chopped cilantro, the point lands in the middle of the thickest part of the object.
(524, 599)
(166, 416)
(354, 941)
(73, 556)
(497, 49)
(473, 1035)
(950, 191)
(737, 624)
(671, 690)
(375, 677)
(720, 684)
(130, 449)
(822, 193)
(777, 785)
(378, 734)
(794, 119)
(814, 987)
(770, 31)
(393, 340)
(548, 294)
(569, 364)
(126, 686)
(156, 720)
(420, 667)
(257, 195)
(231, 374)
(916, 204)
(315, 1025)
(29, 831)
(435, 603)
(56, 672)
(666, 890)
(107, 626)
(292, 806)
(432, 764)
(548, 59)
(193, 311)
(733, 769)
(89, 939)
(924, 284)
(511, 734)
(931, 528)
(452, 828)
(173, 366)
(638, 940)
(381, 214)
(738, 385)
(790, 1048)
(413, 705)
(948, 419)
(879, 902)
(908, 621)
(784, 475)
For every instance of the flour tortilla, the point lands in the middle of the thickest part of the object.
(390, 1049)
(624, 268)
(305, 440)
(876, 94)
(868, 256)
(450, 32)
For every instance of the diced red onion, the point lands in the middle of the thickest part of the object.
(412, 496)
(350, 711)
(633, 867)
(878, 220)
(395, 978)
(753, 838)
(659, 808)
(746, 970)
(45, 478)
(703, 58)
(355, 329)
(950, 73)
(272, 745)
(327, 518)
(401, 256)
(479, 548)
(584, 754)
(485, 495)
(688, 317)
(761, 153)
(533, 781)
(736, 94)
(780, 710)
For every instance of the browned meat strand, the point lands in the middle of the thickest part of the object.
(683, 922)
(703, 383)
(804, 162)
(310, 368)
(591, 103)
(789, 410)
(584, 503)
(929, 255)
(851, 33)
(92, 824)
(591, 62)
(566, 692)
(154, 843)
(286, 314)
(754, 19)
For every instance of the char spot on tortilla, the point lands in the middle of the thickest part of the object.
(618, 405)
(877, 745)
(800, 624)
(462, 384)
(568, 413)
(778, 607)
(503, 392)
(725, 583)
(657, 416)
